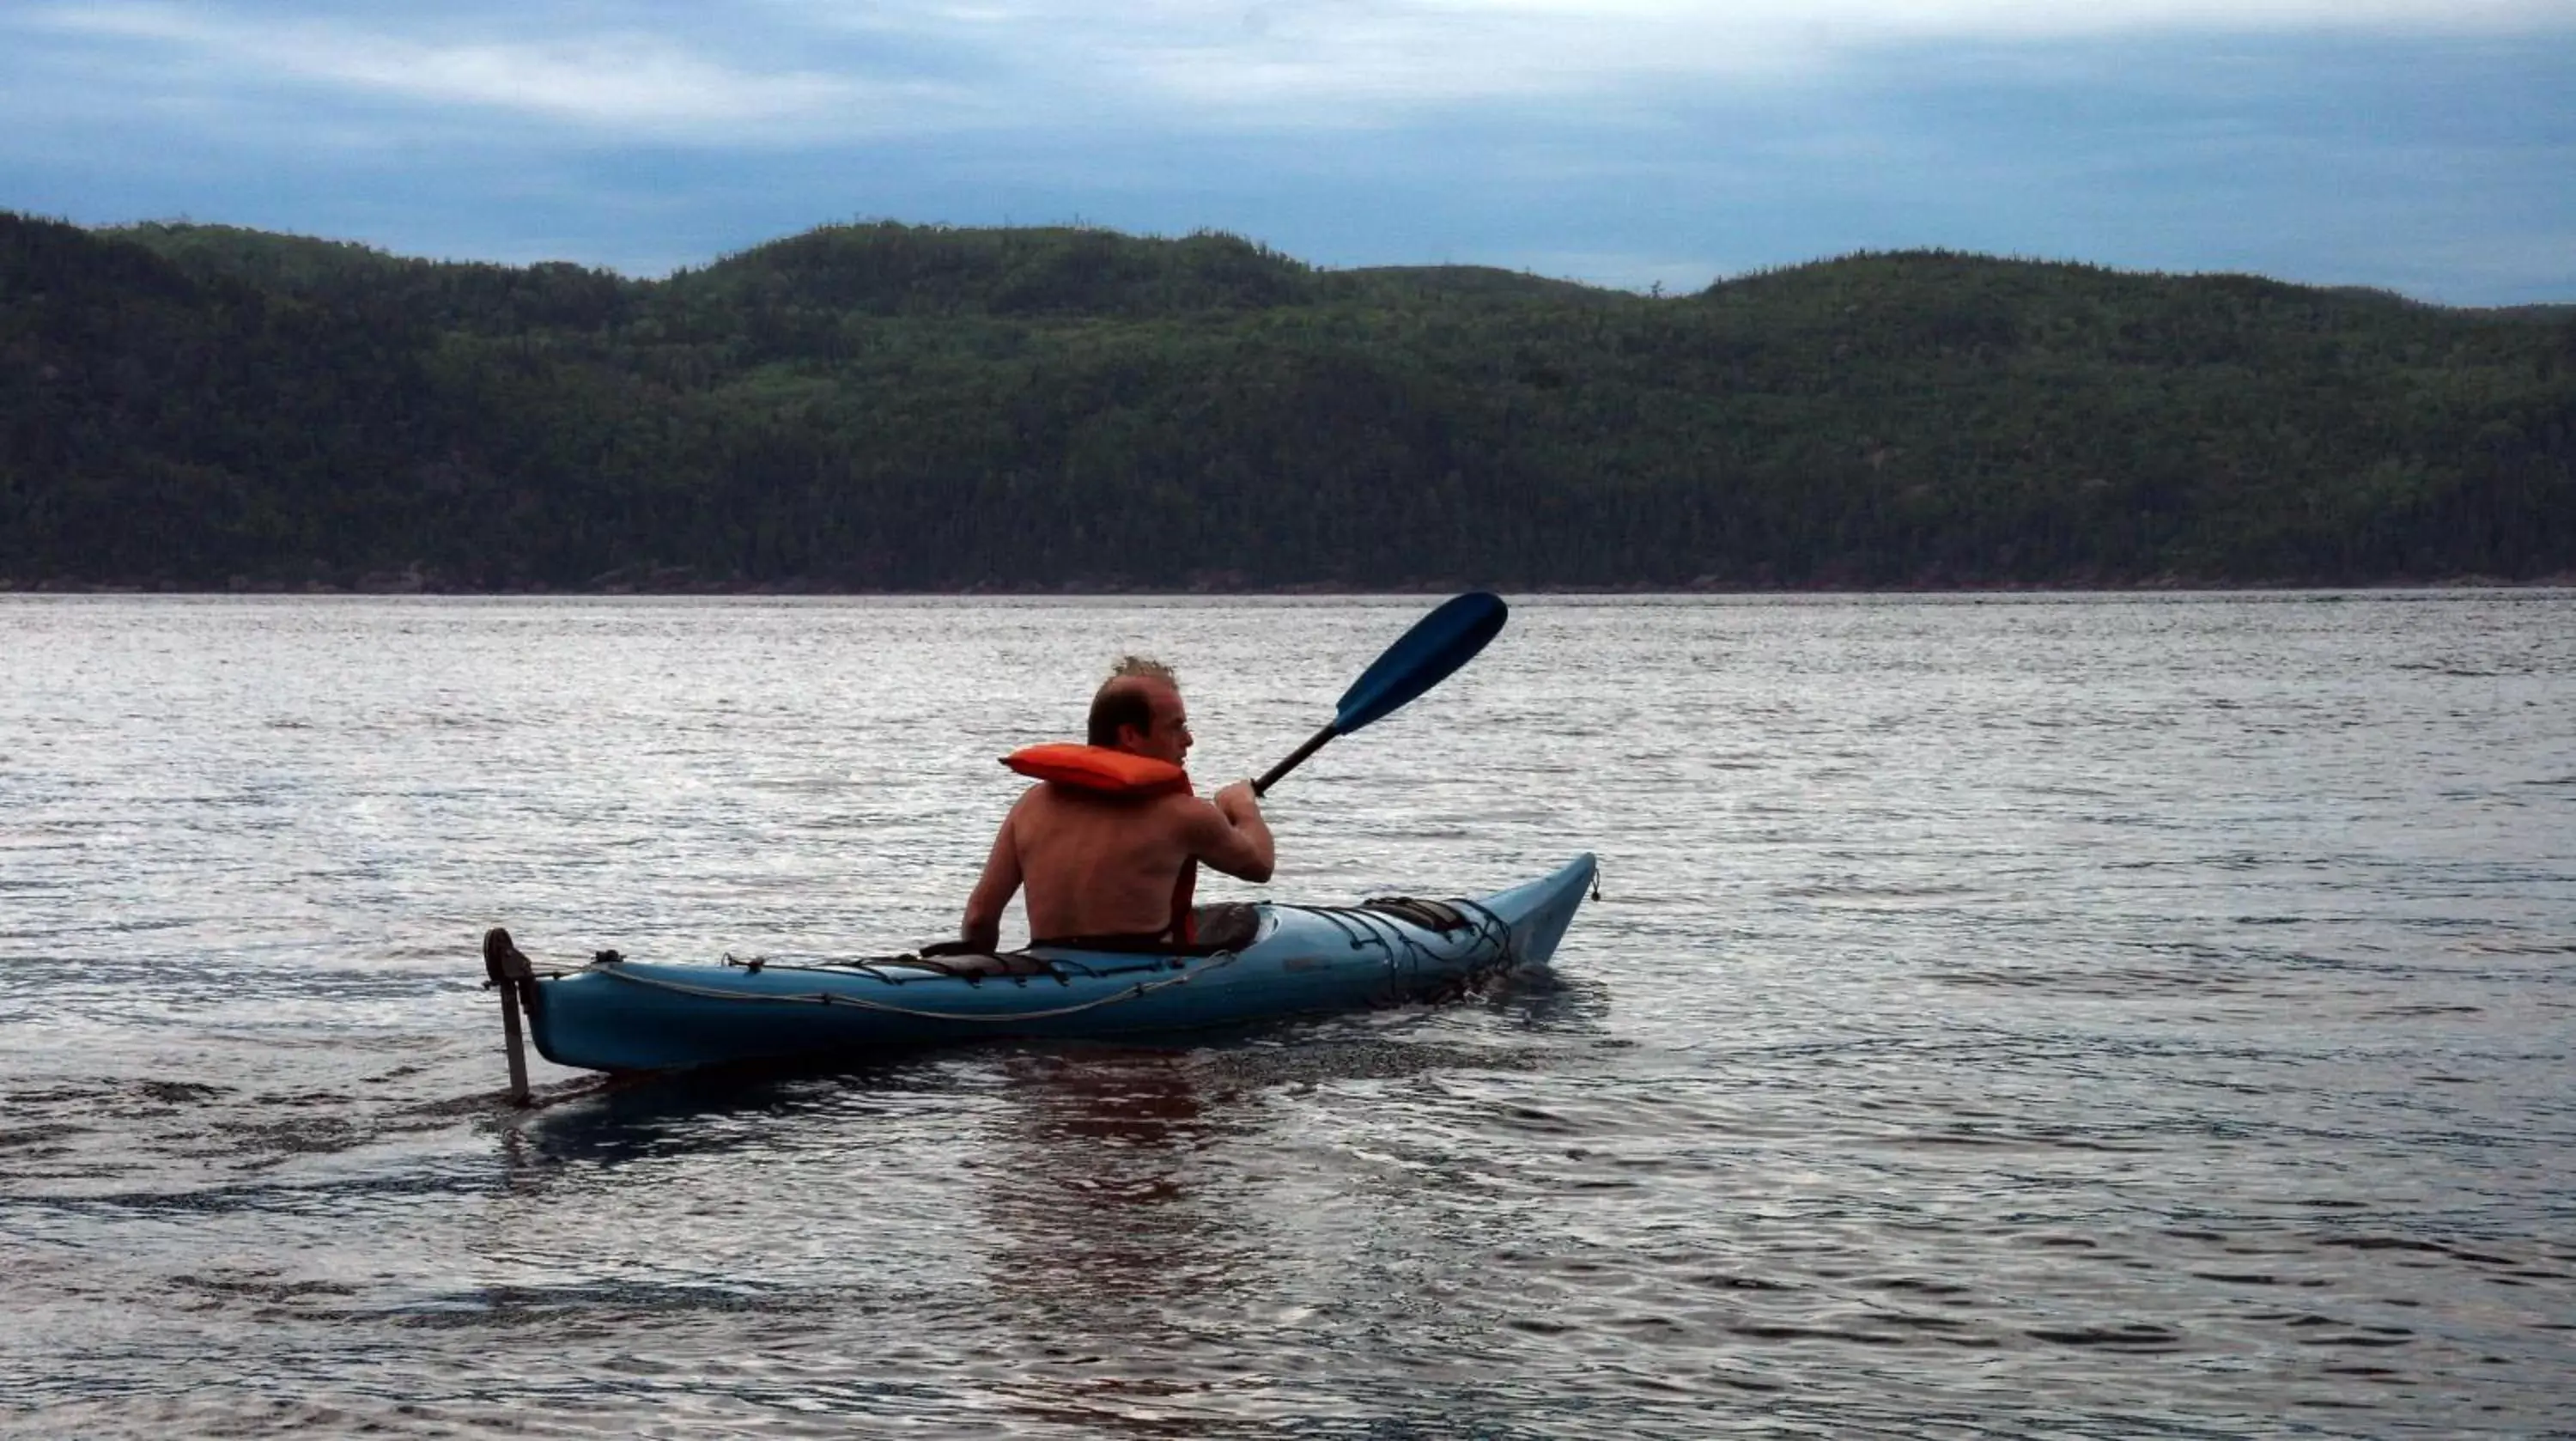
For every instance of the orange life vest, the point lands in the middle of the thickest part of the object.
(1098, 768)
(1104, 771)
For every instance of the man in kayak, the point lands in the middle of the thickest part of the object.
(1109, 845)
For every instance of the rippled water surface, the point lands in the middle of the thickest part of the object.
(2032, 1016)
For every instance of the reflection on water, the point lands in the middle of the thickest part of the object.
(1104, 1228)
(2005, 1016)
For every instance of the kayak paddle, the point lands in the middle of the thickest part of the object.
(1423, 657)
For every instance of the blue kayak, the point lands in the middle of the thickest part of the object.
(1280, 960)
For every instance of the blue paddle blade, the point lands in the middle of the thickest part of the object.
(1438, 644)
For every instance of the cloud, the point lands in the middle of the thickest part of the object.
(821, 71)
(631, 82)
(1623, 142)
(1353, 62)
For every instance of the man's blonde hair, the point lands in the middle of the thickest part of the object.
(1143, 668)
(1123, 699)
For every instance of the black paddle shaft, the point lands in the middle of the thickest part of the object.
(1295, 759)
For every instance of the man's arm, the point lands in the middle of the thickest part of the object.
(1229, 834)
(993, 891)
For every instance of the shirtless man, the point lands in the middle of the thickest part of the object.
(1098, 865)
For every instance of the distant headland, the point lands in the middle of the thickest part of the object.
(889, 408)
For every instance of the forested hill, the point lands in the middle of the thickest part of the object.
(889, 407)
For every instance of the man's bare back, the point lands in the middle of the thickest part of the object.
(1099, 865)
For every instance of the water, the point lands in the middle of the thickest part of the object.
(2032, 1016)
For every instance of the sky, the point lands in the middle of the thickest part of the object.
(2422, 146)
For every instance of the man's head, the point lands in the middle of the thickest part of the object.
(1138, 710)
